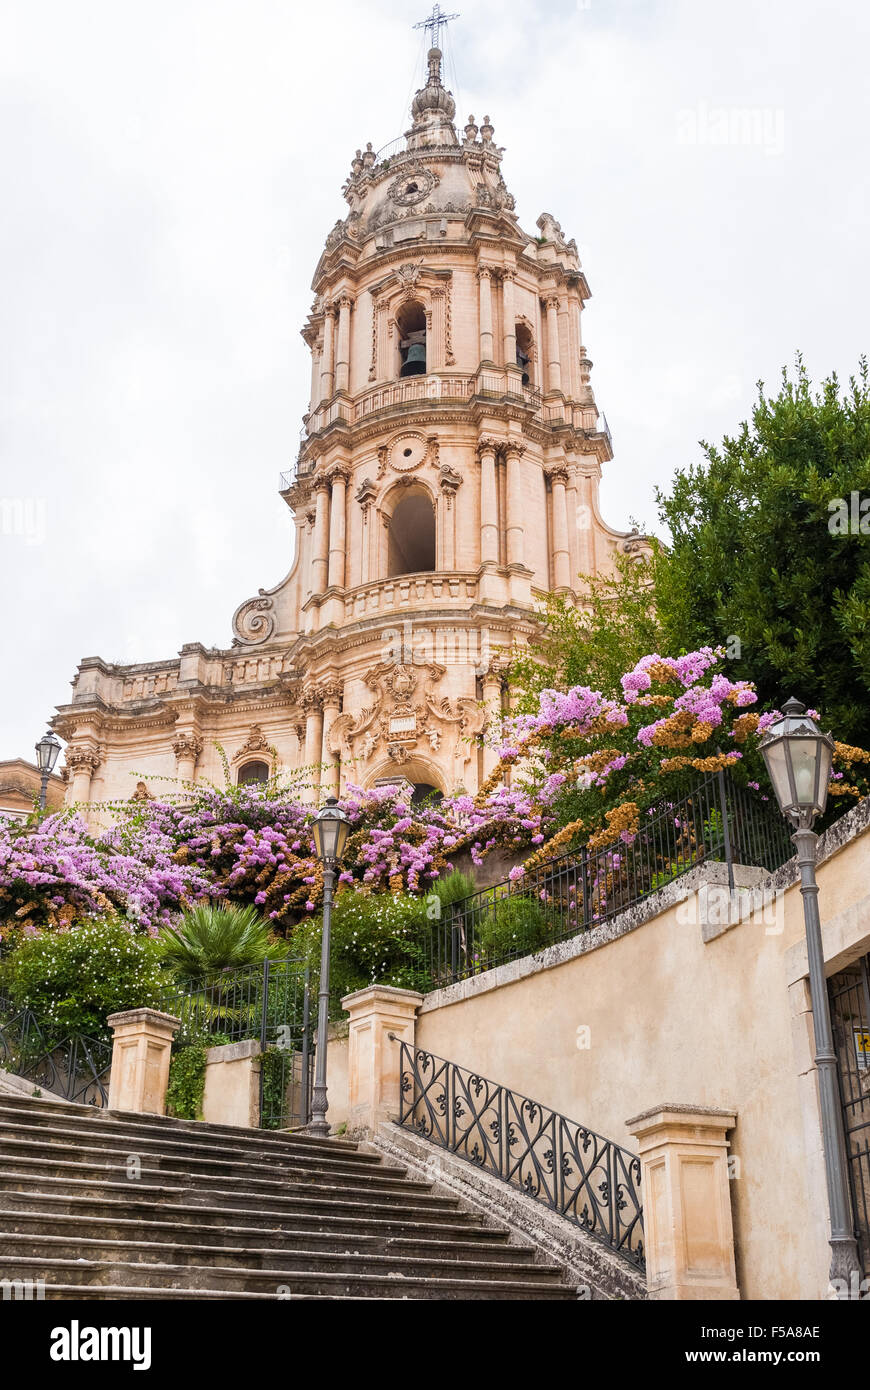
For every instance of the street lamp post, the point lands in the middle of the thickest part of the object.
(798, 758)
(331, 829)
(47, 750)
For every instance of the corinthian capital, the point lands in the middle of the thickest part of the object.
(187, 745)
(79, 758)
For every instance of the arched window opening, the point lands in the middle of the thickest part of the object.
(524, 352)
(424, 792)
(412, 536)
(412, 340)
(253, 772)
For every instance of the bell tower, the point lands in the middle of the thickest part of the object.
(447, 479)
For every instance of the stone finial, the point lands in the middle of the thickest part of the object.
(470, 131)
(486, 131)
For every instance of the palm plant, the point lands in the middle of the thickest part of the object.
(213, 937)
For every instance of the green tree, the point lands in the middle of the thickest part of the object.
(759, 560)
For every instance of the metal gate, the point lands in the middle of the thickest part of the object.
(850, 1018)
(270, 1003)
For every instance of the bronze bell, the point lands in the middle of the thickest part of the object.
(415, 362)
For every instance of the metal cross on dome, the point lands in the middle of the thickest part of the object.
(434, 23)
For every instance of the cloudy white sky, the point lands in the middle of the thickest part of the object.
(170, 169)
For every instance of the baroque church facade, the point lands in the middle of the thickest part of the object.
(447, 479)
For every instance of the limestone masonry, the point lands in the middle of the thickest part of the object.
(447, 478)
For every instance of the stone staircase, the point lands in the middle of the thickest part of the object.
(103, 1205)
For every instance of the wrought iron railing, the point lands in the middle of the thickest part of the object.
(76, 1068)
(270, 1003)
(590, 1181)
(717, 820)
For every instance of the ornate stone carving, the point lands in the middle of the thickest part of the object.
(330, 691)
(187, 745)
(488, 444)
(310, 699)
(78, 758)
(413, 184)
(141, 793)
(254, 621)
(449, 482)
(365, 495)
(256, 742)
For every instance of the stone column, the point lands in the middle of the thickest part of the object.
(508, 318)
(484, 275)
(554, 366)
(141, 1051)
(342, 360)
(187, 746)
(311, 703)
(327, 361)
(330, 778)
(320, 540)
(337, 527)
(492, 703)
(488, 503)
(374, 1058)
(315, 376)
(569, 370)
(515, 549)
(82, 763)
(561, 550)
(686, 1201)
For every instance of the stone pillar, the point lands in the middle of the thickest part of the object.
(231, 1095)
(515, 549)
(140, 1060)
(320, 540)
(374, 1058)
(569, 368)
(337, 528)
(315, 377)
(187, 746)
(330, 776)
(327, 361)
(488, 503)
(561, 550)
(585, 531)
(492, 704)
(508, 318)
(484, 275)
(554, 366)
(342, 360)
(311, 702)
(82, 763)
(686, 1201)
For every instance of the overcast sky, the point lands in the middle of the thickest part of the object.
(170, 170)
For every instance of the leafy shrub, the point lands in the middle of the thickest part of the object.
(212, 937)
(515, 925)
(187, 1077)
(375, 937)
(73, 980)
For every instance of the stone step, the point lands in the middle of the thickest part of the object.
(60, 1204)
(19, 1142)
(42, 1113)
(83, 1273)
(396, 1263)
(474, 1241)
(332, 1201)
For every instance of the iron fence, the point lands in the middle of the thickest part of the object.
(76, 1068)
(270, 1003)
(716, 820)
(588, 1180)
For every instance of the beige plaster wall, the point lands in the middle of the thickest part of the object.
(674, 1018)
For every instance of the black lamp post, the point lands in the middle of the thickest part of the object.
(47, 750)
(798, 758)
(331, 829)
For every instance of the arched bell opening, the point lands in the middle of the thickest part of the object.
(525, 352)
(411, 539)
(418, 773)
(411, 321)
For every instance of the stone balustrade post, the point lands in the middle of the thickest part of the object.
(141, 1050)
(374, 1057)
(688, 1232)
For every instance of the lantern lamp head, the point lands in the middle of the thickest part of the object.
(331, 831)
(47, 750)
(798, 759)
